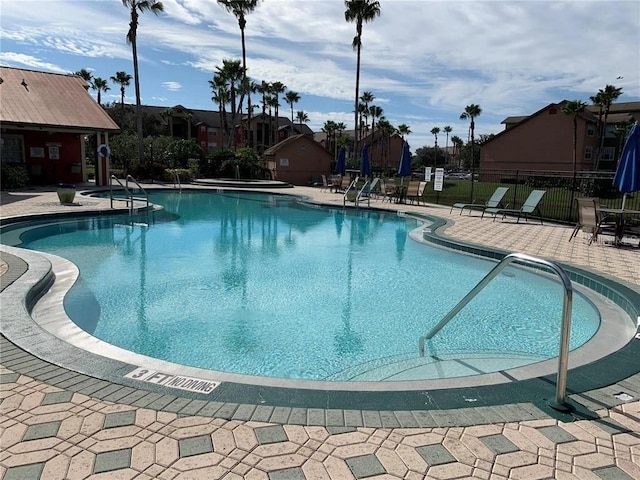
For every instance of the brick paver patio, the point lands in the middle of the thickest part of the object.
(55, 424)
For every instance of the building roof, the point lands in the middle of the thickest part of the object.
(33, 99)
(293, 139)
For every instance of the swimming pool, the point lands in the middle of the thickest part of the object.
(266, 285)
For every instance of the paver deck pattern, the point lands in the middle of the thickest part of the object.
(52, 432)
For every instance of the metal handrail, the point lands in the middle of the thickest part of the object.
(176, 179)
(125, 186)
(563, 359)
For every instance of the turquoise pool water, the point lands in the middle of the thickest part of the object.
(266, 285)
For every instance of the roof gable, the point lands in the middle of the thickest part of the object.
(41, 99)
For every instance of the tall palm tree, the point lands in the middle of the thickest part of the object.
(375, 112)
(471, 112)
(302, 117)
(123, 79)
(608, 95)
(457, 146)
(101, 85)
(404, 129)
(135, 8)
(240, 9)
(386, 130)
(221, 96)
(87, 76)
(447, 130)
(574, 108)
(276, 89)
(292, 97)
(264, 88)
(271, 103)
(366, 99)
(359, 12)
(232, 74)
(435, 131)
(250, 87)
(329, 128)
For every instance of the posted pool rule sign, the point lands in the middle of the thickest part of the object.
(439, 179)
(190, 384)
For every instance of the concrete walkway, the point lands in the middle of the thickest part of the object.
(55, 423)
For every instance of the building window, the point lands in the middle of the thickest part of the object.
(212, 147)
(12, 149)
(588, 152)
(608, 153)
(591, 129)
(284, 162)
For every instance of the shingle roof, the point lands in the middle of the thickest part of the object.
(40, 99)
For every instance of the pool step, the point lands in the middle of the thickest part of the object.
(446, 365)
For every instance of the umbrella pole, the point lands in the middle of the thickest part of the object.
(624, 199)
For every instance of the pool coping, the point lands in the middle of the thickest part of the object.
(103, 377)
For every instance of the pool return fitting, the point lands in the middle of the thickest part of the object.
(560, 402)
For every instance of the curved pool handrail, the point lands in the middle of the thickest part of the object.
(563, 358)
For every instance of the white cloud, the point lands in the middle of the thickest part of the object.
(19, 59)
(172, 86)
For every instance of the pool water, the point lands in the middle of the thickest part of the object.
(266, 285)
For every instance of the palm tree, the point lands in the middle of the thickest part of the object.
(232, 74)
(100, 84)
(123, 79)
(435, 131)
(87, 76)
(457, 146)
(220, 96)
(359, 11)
(302, 117)
(250, 87)
(292, 97)
(276, 89)
(264, 88)
(403, 130)
(607, 95)
(471, 112)
(386, 130)
(574, 108)
(376, 113)
(447, 130)
(135, 8)
(240, 9)
(366, 99)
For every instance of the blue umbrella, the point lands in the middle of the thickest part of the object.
(404, 169)
(627, 177)
(341, 164)
(365, 164)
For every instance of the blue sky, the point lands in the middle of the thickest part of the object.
(423, 60)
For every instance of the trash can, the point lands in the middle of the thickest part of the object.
(66, 192)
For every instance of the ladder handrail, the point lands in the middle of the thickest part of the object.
(563, 359)
(130, 196)
(146, 195)
(176, 179)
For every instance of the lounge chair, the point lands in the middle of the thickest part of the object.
(528, 208)
(591, 220)
(326, 185)
(493, 202)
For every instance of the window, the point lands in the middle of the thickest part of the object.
(212, 147)
(588, 152)
(591, 129)
(608, 153)
(284, 162)
(12, 149)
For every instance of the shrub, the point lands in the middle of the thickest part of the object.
(14, 176)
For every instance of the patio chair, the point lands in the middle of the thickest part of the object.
(528, 208)
(591, 220)
(493, 202)
(414, 193)
(326, 185)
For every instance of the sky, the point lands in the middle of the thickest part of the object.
(424, 61)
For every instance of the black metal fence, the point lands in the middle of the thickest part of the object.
(558, 204)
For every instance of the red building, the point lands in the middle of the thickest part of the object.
(44, 118)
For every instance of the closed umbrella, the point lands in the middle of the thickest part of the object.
(341, 164)
(627, 177)
(365, 163)
(404, 169)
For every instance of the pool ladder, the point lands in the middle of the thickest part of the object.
(130, 199)
(563, 359)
